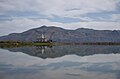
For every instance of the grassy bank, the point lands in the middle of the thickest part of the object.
(43, 44)
(10, 44)
(19, 44)
(89, 43)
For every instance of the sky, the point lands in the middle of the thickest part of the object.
(20, 15)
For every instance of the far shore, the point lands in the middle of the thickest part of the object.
(20, 43)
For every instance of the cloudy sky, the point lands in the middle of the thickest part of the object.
(21, 15)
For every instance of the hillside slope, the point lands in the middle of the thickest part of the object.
(64, 35)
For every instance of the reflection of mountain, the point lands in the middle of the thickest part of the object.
(58, 51)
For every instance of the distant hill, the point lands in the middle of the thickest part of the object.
(64, 35)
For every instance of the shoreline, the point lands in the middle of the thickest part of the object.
(19, 43)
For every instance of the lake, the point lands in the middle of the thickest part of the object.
(60, 62)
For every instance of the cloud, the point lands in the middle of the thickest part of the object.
(62, 8)
(23, 24)
(115, 17)
(21, 15)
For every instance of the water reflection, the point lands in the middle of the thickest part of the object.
(59, 51)
(42, 48)
(60, 62)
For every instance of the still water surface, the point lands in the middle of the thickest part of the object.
(60, 62)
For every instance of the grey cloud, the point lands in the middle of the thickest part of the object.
(60, 8)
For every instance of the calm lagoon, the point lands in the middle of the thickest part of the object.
(60, 62)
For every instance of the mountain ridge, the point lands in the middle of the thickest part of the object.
(66, 35)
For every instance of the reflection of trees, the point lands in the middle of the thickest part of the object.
(58, 51)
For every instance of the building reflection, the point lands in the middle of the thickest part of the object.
(42, 48)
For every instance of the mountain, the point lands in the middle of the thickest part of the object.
(64, 35)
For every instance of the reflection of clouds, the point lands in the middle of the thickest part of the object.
(17, 58)
(75, 74)
(65, 71)
(17, 65)
(21, 59)
(83, 70)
